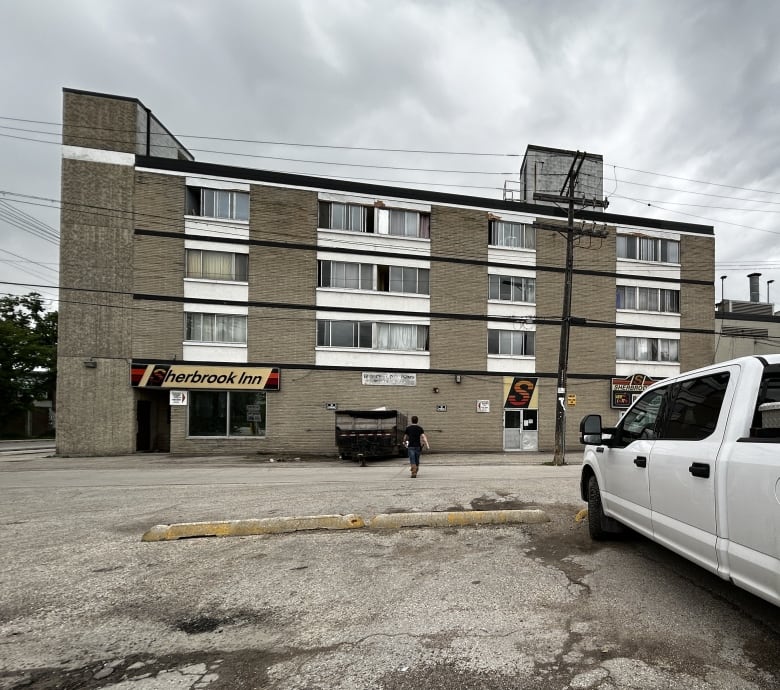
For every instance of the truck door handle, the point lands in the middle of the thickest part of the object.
(640, 461)
(700, 469)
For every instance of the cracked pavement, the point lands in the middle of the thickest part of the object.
(86, 604)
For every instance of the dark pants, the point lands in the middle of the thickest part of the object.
(414, 455)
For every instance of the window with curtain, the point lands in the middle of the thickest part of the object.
(215, 328)
(514, 235)
(368, 335)
(401, 336)
(647, 349)
(210, 265)
(648, 299)
(648, 249)
(403, 223)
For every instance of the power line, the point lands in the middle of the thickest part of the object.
(395, 150)
(135, 217)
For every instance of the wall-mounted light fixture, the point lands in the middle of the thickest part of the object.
(457, 378)
(435, 389)
(90, 363)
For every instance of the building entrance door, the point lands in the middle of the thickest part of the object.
(153, 423)
(521, 430)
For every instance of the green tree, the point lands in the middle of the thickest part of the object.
(28, 353)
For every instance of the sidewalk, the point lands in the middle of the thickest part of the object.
(519, 458)
(573, 457)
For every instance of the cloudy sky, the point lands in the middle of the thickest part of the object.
(681, 99)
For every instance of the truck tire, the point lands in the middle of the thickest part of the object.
(596, 517)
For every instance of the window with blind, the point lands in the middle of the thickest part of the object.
(210, 265)
(647, 299)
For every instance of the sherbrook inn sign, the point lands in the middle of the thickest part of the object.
(144, 375)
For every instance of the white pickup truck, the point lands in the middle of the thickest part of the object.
(694, 464)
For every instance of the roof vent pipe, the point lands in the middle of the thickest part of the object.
(754, 287)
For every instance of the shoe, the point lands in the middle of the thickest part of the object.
(414, 471)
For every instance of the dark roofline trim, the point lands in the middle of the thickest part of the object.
(760, 318)
(444, 198)
(552, 149)
(129, 99)
(98, 94)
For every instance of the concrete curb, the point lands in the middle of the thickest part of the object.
(242, 528)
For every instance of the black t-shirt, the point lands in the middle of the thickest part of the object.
(413, 433)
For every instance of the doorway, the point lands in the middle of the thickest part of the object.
(153, 423)
(521, 430)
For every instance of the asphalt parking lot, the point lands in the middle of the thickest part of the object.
(87, 604)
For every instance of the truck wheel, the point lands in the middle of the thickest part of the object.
(596, 517)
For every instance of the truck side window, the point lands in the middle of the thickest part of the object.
(694, 412)
(640, 421)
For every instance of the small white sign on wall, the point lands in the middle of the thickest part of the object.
(376, 378)
(177, 397)
(483, 405)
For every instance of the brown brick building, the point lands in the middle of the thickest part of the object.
(214, 308)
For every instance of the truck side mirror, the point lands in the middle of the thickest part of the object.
(590, 430)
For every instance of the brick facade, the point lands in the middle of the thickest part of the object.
(123, 301)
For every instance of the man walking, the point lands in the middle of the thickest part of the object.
(414, 438)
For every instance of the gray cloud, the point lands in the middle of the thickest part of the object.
(686, 89)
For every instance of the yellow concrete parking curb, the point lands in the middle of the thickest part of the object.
(457, 518)
(241, 528)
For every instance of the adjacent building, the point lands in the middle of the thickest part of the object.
(210, 308)
(746, 327)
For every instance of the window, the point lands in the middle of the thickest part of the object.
(512, 288)
(227, 413)
(368, 335)
(216, 265)
(511, 342)
(648, 349)
(345, 217)
(217, 203)
(640, 421)
(648, 299)
(411, 280)
(339, 274)
(383, 221)
(403, 223)
(401, 336)
(515, 235)
(648, 249)
(344, 333)
(694, 413)
(215, 328)
(348, 275)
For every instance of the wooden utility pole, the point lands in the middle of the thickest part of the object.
(567, 195)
